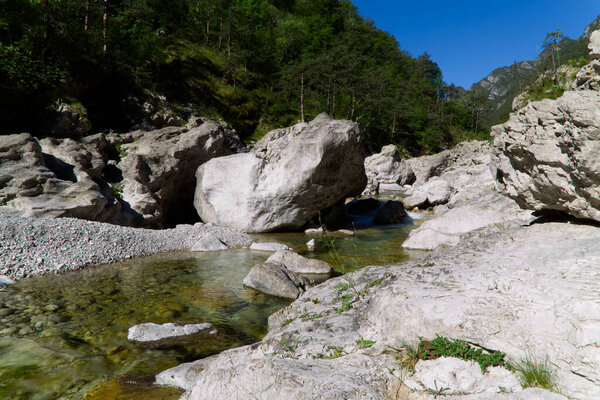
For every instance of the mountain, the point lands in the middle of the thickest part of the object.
(503, 84)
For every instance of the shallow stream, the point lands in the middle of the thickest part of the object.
(65, 336)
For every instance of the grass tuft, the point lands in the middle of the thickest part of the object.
(534, 373)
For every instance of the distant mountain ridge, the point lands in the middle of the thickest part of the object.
(505, 83)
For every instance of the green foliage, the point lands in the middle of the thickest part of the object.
(445, 347)
(117, 189)
(363, 343)
(287, 322)
(547, 89)
(333, 352)
(245, 61)
(534, 373)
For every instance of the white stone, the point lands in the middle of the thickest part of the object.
(314, 230)
(286, 180)
(298, 264)
(151, 332)
(311, 244)
(270, 246)
(594, 45)
(209, 242)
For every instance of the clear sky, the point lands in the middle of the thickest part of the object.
(470, 38)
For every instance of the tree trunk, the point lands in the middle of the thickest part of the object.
(302, 96)
(105, 29)
(207, 25)
(87, 15)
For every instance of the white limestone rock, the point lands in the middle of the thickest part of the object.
(156, 335)
(275, 279)
(209, 242)
(269, 246)
(298, 264)
(287, 178)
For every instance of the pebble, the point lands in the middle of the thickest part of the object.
(30, 246)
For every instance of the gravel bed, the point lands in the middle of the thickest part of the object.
(30, 246)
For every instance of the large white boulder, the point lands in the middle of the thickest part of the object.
(547, 155)
(298, 264)
(286, 180)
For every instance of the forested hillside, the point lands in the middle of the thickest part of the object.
(258, 64)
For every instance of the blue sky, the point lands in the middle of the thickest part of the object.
(470, 38)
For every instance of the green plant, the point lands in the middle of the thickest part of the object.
(363, 343)
(334, 352)
(534, 373)
(287, 322)
(310, 317)
(437, 391)
(287, 346)
(117, 189)
(408, 356)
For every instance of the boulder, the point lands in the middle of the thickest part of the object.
(546, 155)
(386, 167)
(6, 281)
(594, 45)
(392, 212)
(275, 279)
(209, 242)
(169, 334)
(287, 178)
(456, 377)
(269, 246)
(430, 194)
(298, 264)
(159, 167)
(362, 206)
(67, 121)
(54, 181)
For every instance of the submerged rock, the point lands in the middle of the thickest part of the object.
(275, 279)
(269, 246)
(168, 334)
(286, 180)
(392, 212)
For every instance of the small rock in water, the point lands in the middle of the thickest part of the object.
(345, 232)
(298, 264)
(311, 244)
(275, 279)
(170, 333)
(269, 246)
(315, 230)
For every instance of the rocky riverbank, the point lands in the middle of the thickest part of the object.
(30, 246)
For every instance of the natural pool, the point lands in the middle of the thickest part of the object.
(64, 336)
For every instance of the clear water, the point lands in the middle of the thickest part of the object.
(64, 336)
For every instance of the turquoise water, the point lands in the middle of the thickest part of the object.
(64, 336)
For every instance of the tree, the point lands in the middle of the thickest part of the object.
(551, 44)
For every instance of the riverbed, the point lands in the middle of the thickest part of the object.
(64, 336)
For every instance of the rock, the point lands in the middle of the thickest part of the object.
(269, 246)
(159, 167)
(68, 121)
(182, 376)
(362, 206)
(498, 288)
(458, 377)
(169, 334)
(6, 281)
(41, 184)
(588, 77)
(594, 45)
(285, 181)
(298, 264)
(209, 242)
(430, 194)
(314, 230)
(386, 167)
(446, 227)
(546, 157)
(275, 279)
(392, 212)
(390, 187)
(311, 244)
(345, 232)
